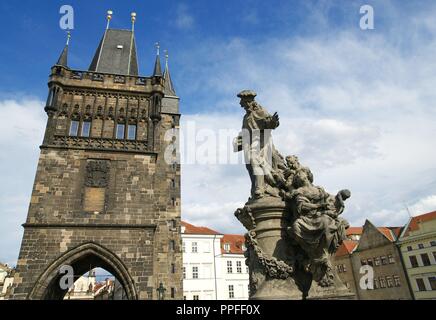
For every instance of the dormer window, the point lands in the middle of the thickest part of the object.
(227, 247)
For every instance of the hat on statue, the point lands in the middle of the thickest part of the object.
(247, 94)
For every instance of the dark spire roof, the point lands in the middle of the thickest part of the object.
(116, 53)
(157, 72)
(63, 58)
(169, 88)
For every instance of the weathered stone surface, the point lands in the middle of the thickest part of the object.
(293, 226)
(99, 201)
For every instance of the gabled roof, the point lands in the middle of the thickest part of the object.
(392, 233)
(191, 229)
(415, 222)
(116, 53)
(346, 248)
(235, 241)
(373, 237)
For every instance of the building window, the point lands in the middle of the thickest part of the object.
(184, 297)
(173, 202)
(131, 131)
(344, 268)
(432, 281)
(376, 261)
(420, 246)
(391, 258)
(195, 297)
(184, 272)
(194, 272)
(120, 131)
(74, 128)
(194, 248)
(382, 282)
(433, 243)
(363, 262)
(227, 247)
(425, 259)
(229, 267)
(86, 128)
(231, 292)
(383, 260)
(238, 267)
(409, 248)
(246, 269)
(173, 268)
(172, 245)
(173, 183)
(369, 261)
(420, 284)
(397, 281)
(434, 256)
(389, 282)
(375, 283)
(173, 293)
(413, 261)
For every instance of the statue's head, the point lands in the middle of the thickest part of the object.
(292, 162)
(247, 98)
(303, 177)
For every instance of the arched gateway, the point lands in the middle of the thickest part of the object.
(81, 259)
(104, 193)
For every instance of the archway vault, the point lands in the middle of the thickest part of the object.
(81, 258)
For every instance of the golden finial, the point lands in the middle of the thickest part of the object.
(166, 54)
(108, 17)
(68, 37)
(133, 15)
(157, 47)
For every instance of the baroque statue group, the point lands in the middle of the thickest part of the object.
(294, 226)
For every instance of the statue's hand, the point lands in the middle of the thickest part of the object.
(275, 120)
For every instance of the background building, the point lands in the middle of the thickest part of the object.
(418, 248)
(377, 248)
(213, 265)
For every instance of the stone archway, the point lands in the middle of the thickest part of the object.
(81, 258)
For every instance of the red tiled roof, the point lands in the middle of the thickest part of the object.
(235, 240)
(414, 223)
(354, 230)
(346, 247)
(386, 231)
(191, 229)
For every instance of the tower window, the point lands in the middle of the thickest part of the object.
(86, 128)
(131, 132)
(74, 128)
(120, 131)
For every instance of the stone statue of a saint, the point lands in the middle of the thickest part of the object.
(256, 142)
(294, 227)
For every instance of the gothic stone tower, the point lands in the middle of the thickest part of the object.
(104, 195)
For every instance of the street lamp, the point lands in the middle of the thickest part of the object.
(161, 292)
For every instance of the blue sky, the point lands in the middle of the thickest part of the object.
(356, 106)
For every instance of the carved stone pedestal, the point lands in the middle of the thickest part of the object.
(268, 256)
(338, 291)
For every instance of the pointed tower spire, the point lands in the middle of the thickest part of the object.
(169, 88)
(157, 72)
(63, 58)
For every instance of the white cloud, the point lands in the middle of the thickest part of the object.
(184, 20)
(20, 135)
(357, 107)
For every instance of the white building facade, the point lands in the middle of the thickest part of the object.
(213, 265)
